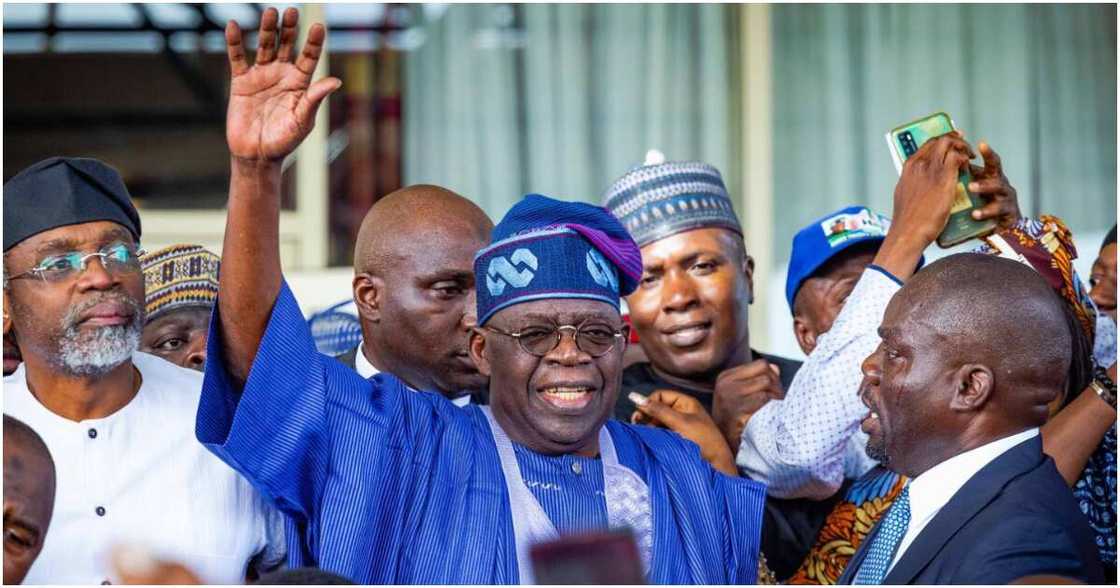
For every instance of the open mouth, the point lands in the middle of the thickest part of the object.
(567, 397)
(687, 334)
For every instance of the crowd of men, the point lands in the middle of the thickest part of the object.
(953, 422)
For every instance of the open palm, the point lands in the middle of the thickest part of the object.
(272, 104)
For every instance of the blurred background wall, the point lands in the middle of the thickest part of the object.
(790, 102)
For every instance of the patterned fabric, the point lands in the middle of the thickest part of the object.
(387, 486)
(1046, 245)
(863, 505)
(1096, 495)
(658, 201)
(179, 276)
(335, 331)
(807, 445)
(547, 249)
(879, 556)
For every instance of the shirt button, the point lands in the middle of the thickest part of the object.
(92, 433)
(577, 469)
(100, 511)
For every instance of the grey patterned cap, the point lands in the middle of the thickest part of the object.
(661, 200)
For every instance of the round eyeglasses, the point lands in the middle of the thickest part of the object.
(593, 339)
(116, 258)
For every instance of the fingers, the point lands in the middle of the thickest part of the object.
(312, 49)
(289, 30)
(309, 105)
(993, 163)
(995, 209)
(235, 49)
(266, 39)
(660, 412)
(989, 185)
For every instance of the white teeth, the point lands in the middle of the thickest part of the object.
(566, 391)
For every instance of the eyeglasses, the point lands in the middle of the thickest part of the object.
(117, 258)
(593, 339)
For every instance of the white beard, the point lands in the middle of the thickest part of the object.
(96, 353)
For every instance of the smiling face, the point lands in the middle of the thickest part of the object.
(86, 324)
(1103, 280)
(179, 336)
(557, 403)
(822, 296)
(690, 308)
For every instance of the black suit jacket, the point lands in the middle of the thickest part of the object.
(1016, 517)
(348, 359)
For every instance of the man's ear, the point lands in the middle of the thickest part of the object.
(974, 384)
(478, 351)
(748, 271)
(806, 336)
(7, 315)
(369, 293)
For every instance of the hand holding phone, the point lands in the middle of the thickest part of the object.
(906, 142)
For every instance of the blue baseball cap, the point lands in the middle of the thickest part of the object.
(826, 237)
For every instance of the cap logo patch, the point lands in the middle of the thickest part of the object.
(846, 226)
(502, 272)
(601, 271)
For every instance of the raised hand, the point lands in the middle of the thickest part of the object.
(990, 183)
(923, 198)
(272, 103)
(740, 392)
(685, 416)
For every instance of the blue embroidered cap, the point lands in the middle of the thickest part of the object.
(545, 248)
(827, 236)
(661, 200)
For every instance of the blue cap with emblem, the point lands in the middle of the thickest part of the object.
(545, 248)
(826, 237)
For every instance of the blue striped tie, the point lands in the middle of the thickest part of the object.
(881, 552)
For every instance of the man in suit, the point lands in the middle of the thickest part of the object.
(414, 290)
(973, 349)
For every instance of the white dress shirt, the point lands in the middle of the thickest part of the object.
(366, 370)
(140, 477)
(808, 443)
(932, 490)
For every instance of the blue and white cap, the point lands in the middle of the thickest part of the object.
(661, 200)
(826, 237)
(545, 249)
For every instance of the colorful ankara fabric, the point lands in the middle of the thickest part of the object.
(661, 200)
(72, 190)
(389, 486)
(545, 249)
(845, 528)
(179, 276)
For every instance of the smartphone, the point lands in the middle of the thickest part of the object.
(603, 557)
(905, 141)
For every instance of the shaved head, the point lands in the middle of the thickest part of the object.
(974, 348)
(29, 484)
(414, 287)
(394, 224)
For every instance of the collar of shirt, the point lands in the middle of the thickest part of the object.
(366, 370)
(935, 487)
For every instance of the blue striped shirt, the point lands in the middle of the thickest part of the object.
(387, 486)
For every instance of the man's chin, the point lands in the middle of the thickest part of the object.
(877, 451)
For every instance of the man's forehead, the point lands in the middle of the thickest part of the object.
(76, 235)
(557, 311)
(690, 243)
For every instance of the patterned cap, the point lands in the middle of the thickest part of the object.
(661, 200)
(179, 276)
(546, 249)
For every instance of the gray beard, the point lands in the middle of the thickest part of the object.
(97, 353)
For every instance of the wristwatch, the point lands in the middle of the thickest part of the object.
(1104, 386)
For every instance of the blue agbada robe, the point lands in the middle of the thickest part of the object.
(389, 486)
